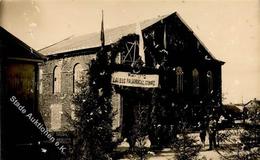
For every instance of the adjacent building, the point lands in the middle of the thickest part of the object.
(18, 98)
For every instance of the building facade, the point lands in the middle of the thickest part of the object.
(59, 80)
(188, 72)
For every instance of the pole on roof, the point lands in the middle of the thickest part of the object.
(165, 37)
(141, 43)
(102, 36)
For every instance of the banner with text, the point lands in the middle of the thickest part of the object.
(135, 80)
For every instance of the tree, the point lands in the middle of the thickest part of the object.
(163, 130)
(140, 130)
(242, 142)
(93, 124)
(251, 136)
(185, 145)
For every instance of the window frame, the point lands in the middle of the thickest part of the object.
(179, 79)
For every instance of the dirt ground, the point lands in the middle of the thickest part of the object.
(168, 154)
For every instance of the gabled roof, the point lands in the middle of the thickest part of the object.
(255, 101)
(92, 40)
(9, 45)
(232, 107)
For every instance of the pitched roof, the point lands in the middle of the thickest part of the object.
(254, 101)
(10, 42)
(92, 40)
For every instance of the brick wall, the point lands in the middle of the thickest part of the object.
(48, 99)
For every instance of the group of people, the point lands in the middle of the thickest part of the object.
(209, 127)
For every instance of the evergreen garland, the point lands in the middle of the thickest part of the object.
(161, 129)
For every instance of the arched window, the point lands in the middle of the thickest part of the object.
(72, 113)
(179, 84)
(56, 113)
(196, 82)
(56, 80)
(40, 81)
(77, 77)
(210, 82)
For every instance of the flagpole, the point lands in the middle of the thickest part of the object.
(165, 37)
(102, 36)
(102, 55)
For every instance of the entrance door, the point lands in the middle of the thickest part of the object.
(136, 113)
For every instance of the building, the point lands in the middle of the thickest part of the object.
(18, 80)
(252, 103)
(252, 109)
(186, 69)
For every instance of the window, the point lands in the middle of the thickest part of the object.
(72, 113)
(117, 104)
(56, 112)
(210, 82)
(56, 80)
(40, 81)
(118, 58)
(179, 84)
(196, 83)
(77, 77)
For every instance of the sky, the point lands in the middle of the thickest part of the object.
(230, 29)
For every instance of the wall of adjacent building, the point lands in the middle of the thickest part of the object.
(57, 107)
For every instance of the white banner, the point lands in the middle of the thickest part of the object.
(135, 80)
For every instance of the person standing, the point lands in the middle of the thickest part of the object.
(212, 130)
(202, 133)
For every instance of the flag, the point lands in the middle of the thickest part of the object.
(102, 36)
(141, 42)
(164, 37)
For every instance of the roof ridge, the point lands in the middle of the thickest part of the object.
(91, 40)
(153, 20)
(69, 37)
(125, 25)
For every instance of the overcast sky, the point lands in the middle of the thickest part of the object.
(229, 29)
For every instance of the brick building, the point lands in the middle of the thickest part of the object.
(192, 75)
(58, 83)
